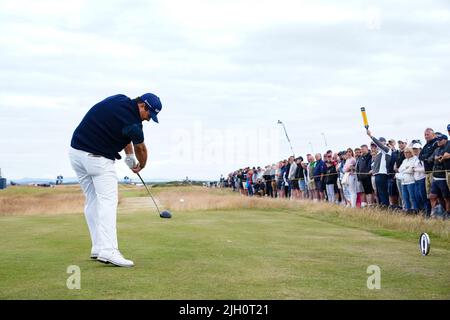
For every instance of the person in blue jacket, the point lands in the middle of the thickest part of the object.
(319, 170)
(109, 127)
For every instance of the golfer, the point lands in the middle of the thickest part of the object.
(112, 125)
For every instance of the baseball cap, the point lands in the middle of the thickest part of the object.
(448, 127)
(417, 146)
(382, 139)
(401, 141)
(442, 137)
(154, 105)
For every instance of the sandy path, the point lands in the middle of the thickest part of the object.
(137, 204)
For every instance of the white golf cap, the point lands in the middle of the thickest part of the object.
(417, 146)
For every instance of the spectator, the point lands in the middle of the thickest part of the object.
(400, 158)
(242, 182)
(273, 174)
(310, 172)
(392, 181)
(268, 181)
(419, 177)
(360, 199)
(293, 184)
(363, 168)
(324, 168)
(439, 187)
(345, 191)
(349, 169)
(259, 188)
(425, 156)
(406, 171)
(278, 178)
(280, 182)
(300, 177)
(330, 180)
(373, 153)
(284, 184)
(254, 178)
(233, 182)
(329, 158)
(259, 173)
(337, 161)
(448, 171)
(249, 180)
(287, 181)
(380, 169)
(319, 170)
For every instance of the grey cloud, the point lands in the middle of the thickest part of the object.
(314, 76)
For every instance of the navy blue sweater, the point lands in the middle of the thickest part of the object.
(109, 127)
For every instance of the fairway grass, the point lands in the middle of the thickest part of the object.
(219, 254)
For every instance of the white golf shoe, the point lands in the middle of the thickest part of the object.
(94, 256)
(94, 253)
(114, 257)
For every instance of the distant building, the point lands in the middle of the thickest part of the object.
(59, 179)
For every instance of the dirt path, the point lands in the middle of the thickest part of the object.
(137, 204)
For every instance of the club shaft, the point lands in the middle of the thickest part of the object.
(287, 137)
(142, 180)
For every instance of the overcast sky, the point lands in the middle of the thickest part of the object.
(225, 71)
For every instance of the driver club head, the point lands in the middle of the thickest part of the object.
(162, 214)
(165, 214)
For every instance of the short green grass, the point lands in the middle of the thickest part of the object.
(241, 254)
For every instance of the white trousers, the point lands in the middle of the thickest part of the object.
(330, 193)
(98, 180)
(352, 188)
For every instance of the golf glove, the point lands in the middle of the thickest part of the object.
(131, 161)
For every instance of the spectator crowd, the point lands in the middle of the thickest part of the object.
(396, 175)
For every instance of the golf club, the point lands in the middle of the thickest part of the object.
(165, 214)
(289, 140)
(325, 140)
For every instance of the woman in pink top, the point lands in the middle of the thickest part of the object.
(350, 165)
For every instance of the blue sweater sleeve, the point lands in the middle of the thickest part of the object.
(134, 132)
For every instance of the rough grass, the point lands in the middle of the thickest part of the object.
(222, 246)
(69, 199)
(29, 200)
(241, 254)
(197, 198)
